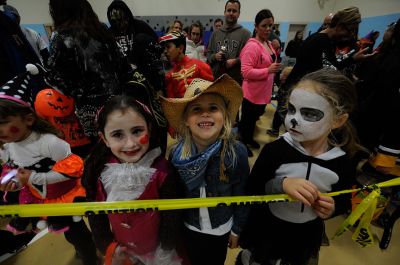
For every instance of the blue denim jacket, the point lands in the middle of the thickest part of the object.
(237, 175)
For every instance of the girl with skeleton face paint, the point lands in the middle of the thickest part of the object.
(313, 157)
(310, 116)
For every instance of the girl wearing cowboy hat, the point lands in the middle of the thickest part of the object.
(211, 163)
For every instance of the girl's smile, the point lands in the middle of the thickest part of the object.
(127, 135)
(206, 125)
(205, 119)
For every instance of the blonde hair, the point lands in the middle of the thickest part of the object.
(171, 27)
(347, 16)
(226, 135)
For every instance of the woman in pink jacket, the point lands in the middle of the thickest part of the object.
(258, 70)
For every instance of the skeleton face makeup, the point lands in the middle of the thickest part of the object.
(309, 115)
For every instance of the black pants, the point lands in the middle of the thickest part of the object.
(81, 238)
(205, 249)
(250, 114)
(293, 242)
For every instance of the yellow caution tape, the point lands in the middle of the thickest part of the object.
(90, 208)
(362, 235)
(365, 210)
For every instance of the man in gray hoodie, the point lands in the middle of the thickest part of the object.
(226, 43)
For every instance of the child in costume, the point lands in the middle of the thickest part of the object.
(46, 170)
(313, 157)
(185, 69)
(211, 163)
(125, 165)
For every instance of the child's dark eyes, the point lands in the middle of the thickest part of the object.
(4, 121)
(137, 131)
(310, 114)
(196, 109)
(117, 135)
(291, 109)
(211, 108)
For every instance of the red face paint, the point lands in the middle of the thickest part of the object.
(14, 129)
(144, 139)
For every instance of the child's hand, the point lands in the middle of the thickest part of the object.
(9, 186)
(233, 241)
(23, 175)
(301, 189)
(324, 207)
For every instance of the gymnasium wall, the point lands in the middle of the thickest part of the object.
(376, 14)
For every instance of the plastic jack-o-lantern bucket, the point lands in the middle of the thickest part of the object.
(51, 103)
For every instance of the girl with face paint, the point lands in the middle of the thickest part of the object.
(315, 156)
(46, 170)
(127, 164)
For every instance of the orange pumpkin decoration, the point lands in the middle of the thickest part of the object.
(51, 103)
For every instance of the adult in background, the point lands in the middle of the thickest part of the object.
(226, 44)
(147, 82)
(194, 42)
(294, 46)
(15, 50)
(258, 67)
(176, 25)
(125, 27)
(85, 61)
(379, 97)
(378, 110)
(326, 23)
(37, 43)
(318, 51)
(218, 23)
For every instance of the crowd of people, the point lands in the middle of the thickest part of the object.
(88, 120)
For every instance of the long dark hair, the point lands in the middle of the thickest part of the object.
(9, 108)
(78, 14)
(101, 154)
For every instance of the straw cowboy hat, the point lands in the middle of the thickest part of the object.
(224, 86)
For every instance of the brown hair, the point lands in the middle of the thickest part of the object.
(340, 92)
(9, 108)
(197, 24)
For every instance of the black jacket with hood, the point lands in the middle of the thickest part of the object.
(135, 26)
